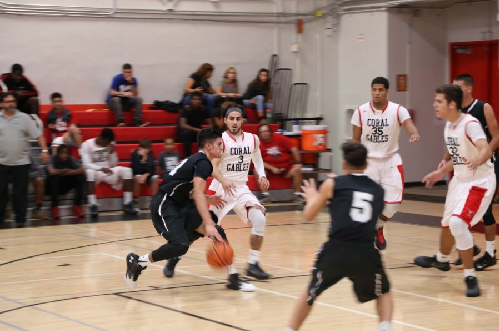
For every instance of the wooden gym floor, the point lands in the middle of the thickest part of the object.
(70, 277)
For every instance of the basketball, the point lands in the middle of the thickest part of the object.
(219, 254)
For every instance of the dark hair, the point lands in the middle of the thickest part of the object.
(6, 94)
(145, 143)
(61, 148)
(17, 68)
(381, 80)
(204, 69)
(207, 136)
(467, 79)
(262, 125)
(196, 94)
(355, 154)
(55, 95)
(258, 82)
(127, 66)
(169, 138)
(452, 93)
(107, 134)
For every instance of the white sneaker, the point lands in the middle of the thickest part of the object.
(234, 283)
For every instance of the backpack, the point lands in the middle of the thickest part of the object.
(169, 106)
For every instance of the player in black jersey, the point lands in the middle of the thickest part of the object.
(484, 113)
(179, 210)
(355, 203)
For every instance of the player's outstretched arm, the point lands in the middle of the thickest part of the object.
(356, 133)
(410, 127)
(256, 158)
(434, 176)
(201, 205)
(316, 200)
(490, 117)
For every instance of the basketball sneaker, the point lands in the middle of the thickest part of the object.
(234, 283)
(129, 209)
(476, 251)
(133, 270)
(78, 212)
(55, 213)
(431, 261)
(485, 261)
(264, 199)
(170, 267)
(380, 239)
(254, 270)
(472, 288)
(94, 212)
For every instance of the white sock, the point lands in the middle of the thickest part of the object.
(442, 258)
(490, 248)
(92, 199)
(253, 256)
(380, 223)
(265, 194)
(127, 197)
(385, 326)
(231, 269)
(469, 272)
(144, 260)
(289, 329)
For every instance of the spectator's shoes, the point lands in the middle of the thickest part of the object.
(254, 270)
(431, 262)
(380, 239)
(129, 209)
(78, 212)
(234, 283)
(476, 251)
(133, 270)
(485, 261)
(39, 215)
(55, 213)
(169, 269)
(472, 288)
(140, 124)
(94, 211)
(119, 125)
(299, 198)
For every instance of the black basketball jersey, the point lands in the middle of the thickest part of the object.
(356, 204)
(476, 109)
(178, 184)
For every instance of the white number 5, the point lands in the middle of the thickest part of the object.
(361, 210)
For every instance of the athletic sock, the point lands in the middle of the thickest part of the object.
(231, 269)
(92, 199)
(442, 258)
(127, 197)
(385, 326)
(469, 272)
(254, 255)
(490, 248)
(144, 260)
(289, 329)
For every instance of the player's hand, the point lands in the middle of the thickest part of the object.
(229, 187)
(414, 137)
(309, 189)
(276, 171)
(212, 232)
(216, 200)
(332, 175)
(471, 164)
(442, 164)
(107, 171)
(263, 183)
(433, 177)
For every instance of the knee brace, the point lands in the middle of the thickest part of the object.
(390, 209)
(168, 251)
(90, 175)
(460, 231)
(257, 218)
(125, 173)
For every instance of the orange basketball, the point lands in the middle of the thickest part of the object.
(219, 254)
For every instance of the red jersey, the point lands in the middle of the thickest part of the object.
(277, 150)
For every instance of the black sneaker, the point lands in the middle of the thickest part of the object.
(428, 262)
(254, 270)
(170, 267)
(476, 251)
(472, 288)
(380, 239)
(234, 283)
(264, 199)
(133, 270)
(94, 212)
(485, 261)
(299, 199)
(129, 209)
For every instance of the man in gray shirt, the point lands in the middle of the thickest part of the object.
(16, 129)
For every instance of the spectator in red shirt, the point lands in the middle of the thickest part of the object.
(61, 128)
(276, 150)
(25, 92)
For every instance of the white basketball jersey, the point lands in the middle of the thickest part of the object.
(98, 155)
(236, 156)
(380, 128)
(461, 147)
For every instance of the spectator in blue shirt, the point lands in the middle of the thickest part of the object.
(124, 96)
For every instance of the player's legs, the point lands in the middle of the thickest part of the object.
(123, 175)
(39, 186)
(384, 306)
(93, 179)
(294, 172)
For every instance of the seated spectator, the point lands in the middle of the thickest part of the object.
(59, 123)
(37, 177)
(229, 87)
(169, 158)
(190, 122)
(276, 150)
(143, 169)
(65, 174)
(124, 96)
(198, 82)
(219, 113)
(100, 162)
(259, 93)
(25, 92)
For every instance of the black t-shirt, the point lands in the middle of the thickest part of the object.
(476, 109)
(195, 117)
(167, 161)
(178, 183)
(200, 82)
(356, 204)
(139, 167)
(70, 163)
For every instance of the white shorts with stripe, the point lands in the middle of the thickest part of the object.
(115, 179)
(469, 198)
(388, 173)
(240, 201)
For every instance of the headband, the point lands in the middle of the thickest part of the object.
(233, 109)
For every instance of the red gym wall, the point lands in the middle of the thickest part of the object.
(480, 59)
